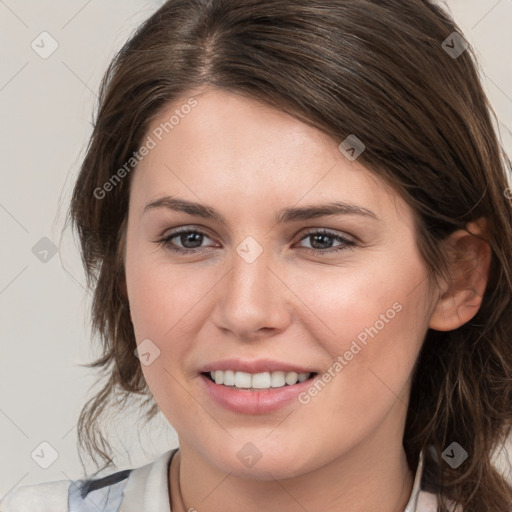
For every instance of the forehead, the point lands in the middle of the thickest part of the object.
(230, 148)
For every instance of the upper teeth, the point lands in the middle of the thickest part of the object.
(257, 380)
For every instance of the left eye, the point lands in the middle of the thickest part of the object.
(322, 238)
(195, 238)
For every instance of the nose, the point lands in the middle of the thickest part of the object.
(253, 300)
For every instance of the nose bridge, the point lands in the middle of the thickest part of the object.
(253, 296)
(251, 273)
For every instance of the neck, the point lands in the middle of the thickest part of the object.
(357, 482)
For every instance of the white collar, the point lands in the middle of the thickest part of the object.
(147, 488)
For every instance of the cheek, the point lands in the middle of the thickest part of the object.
(169, 305)
(371, 322)
(164, 302)
(163, 298)
(363, 302)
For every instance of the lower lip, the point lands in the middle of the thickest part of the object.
(254, 402)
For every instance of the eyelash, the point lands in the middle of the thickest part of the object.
(346, 243)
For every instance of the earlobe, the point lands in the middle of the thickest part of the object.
(469, 265)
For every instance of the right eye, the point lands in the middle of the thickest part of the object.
(186, 237)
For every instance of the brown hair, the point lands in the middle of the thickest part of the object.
(374, 68)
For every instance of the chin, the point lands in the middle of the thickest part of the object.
(263, 463)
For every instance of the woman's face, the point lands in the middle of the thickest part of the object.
(249, 289)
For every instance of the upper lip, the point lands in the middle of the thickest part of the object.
(254, 366)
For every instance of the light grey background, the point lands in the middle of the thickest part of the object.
(46, 106)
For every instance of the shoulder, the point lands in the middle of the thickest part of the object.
(91, 495)
(423, 499)
(104, 494)
(428, 502)
(65, 495)
(46, 497)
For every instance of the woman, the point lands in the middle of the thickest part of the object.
(294, 216)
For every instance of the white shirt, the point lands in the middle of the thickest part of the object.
(144, 489)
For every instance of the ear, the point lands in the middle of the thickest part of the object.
(469, 257)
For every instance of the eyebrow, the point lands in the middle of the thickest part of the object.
(292, 214)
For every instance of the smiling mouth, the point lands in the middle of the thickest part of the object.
(257, 381)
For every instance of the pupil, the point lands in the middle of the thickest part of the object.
(324, 237)
(189, 237)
